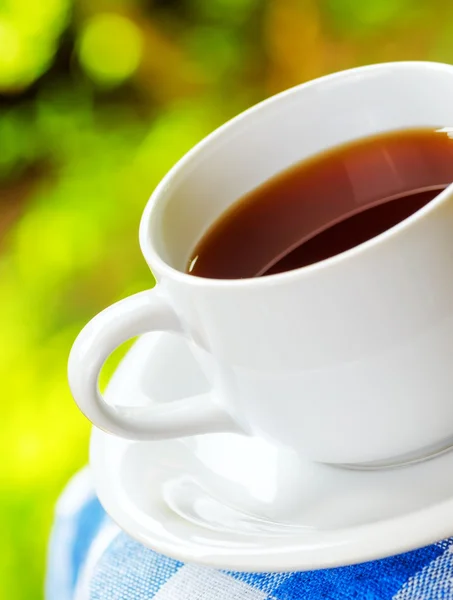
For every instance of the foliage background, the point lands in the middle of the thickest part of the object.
(98, 98)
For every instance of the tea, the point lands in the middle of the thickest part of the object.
(326, 205)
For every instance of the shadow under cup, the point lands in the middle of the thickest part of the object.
(357, 372)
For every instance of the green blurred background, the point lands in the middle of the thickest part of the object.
(98, 99)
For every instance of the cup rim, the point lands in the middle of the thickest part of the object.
(153, 257)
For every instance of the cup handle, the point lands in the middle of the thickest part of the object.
(143, 312)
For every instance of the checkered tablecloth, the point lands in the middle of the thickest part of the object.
(90, 558)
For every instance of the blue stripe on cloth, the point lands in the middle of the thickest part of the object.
(87, 524)
(377, 580)
(63, 565)
(129, 571)
(434, 581)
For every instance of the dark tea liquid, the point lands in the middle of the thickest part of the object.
(326, 205)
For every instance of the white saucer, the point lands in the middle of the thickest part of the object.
(240, 503)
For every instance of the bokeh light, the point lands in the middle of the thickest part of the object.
(110, 48)
(29, 34)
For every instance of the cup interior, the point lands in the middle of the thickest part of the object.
(282, 131)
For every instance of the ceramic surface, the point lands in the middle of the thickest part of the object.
(347, 360)
(238, 502)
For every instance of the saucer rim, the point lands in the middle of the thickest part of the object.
(340, 547)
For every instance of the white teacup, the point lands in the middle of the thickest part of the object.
(347, 361)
